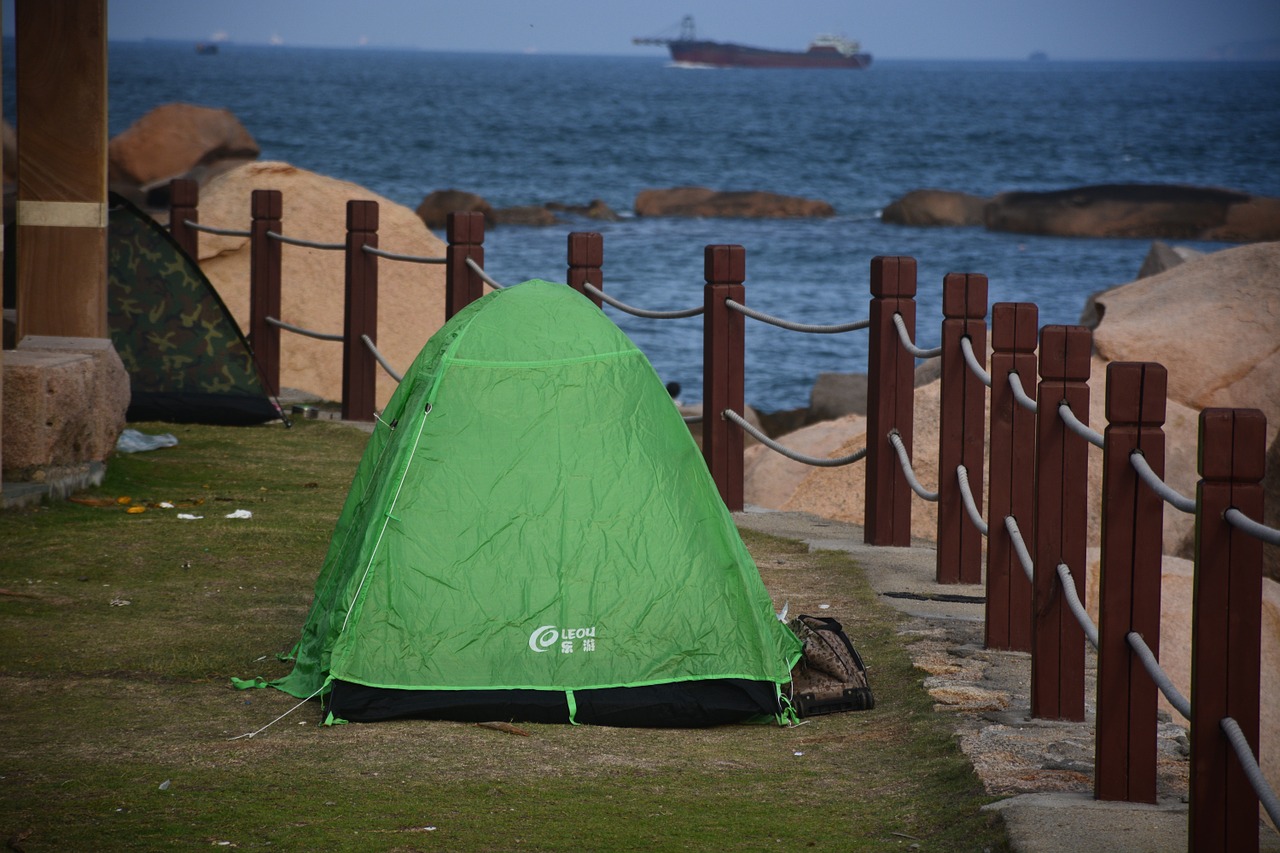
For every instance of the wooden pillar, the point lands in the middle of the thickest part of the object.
(266, 207)
(1226, 629)
(723, 356)
(62, 168)
(962, 427)
(1010, 486)
(1129, 595)
(1061, 524)
(184, 207)
(891, 374)
(586, 255)
(360, 314)
(465, 233)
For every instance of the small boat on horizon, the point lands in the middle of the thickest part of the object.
(825, 51)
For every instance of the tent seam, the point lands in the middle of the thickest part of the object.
(382, 532)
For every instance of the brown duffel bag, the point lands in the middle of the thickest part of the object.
(830, 676)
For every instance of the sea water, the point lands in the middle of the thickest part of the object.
(530, 129)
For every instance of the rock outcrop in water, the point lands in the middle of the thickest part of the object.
(750, 204)
(1138, 210)
(436, 207)
(1109, 210)
(935, 207)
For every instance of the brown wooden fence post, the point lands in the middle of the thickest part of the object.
(723, 355)
(962, 427)
(1010, 486)
(184, 202)
(586, 256)
(891, 373)
(264, 285)
(1226, 629)
(465, 233)
(1129, 595)
(1061, 522)
(360, 314)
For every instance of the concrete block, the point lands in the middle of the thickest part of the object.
(64, 405)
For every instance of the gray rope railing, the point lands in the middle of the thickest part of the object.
(307, 244)
(394, 256)
(793, 326)
(1073, 601)
(1239, 520)
(693, 419)
(298, 330)
(1252, 771)
(484, 276)
(1152, 479)
(896, 440)
(970, 505)
(1079, 428)
(641, 312)
(1023, 399)
(1020, 547)
(221, 232)
(380, 359)
(901, 326)
(817, 461)
(1140, 648)
(966, 347)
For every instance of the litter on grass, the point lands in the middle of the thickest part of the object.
(133, 441)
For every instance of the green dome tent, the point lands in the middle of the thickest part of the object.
(533, 535)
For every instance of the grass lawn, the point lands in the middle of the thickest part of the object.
(121, 630)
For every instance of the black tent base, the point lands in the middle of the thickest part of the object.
(682, 704)
(198, 407)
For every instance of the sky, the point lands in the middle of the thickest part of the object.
(888, 29)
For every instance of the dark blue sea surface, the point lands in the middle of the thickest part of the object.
(528, 129)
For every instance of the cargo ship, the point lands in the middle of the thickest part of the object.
(825, 51)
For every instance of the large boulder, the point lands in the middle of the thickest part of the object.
(1137, 210)
(703, 202)
(935, 207)
(835, 395)
(410, 296)
(435, 208)
(1212, 321)
(172, 140)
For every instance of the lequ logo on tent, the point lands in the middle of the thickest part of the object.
(570, 640)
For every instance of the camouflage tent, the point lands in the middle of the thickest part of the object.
(187, 360)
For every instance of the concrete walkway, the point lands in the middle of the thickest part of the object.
(1048, 781)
